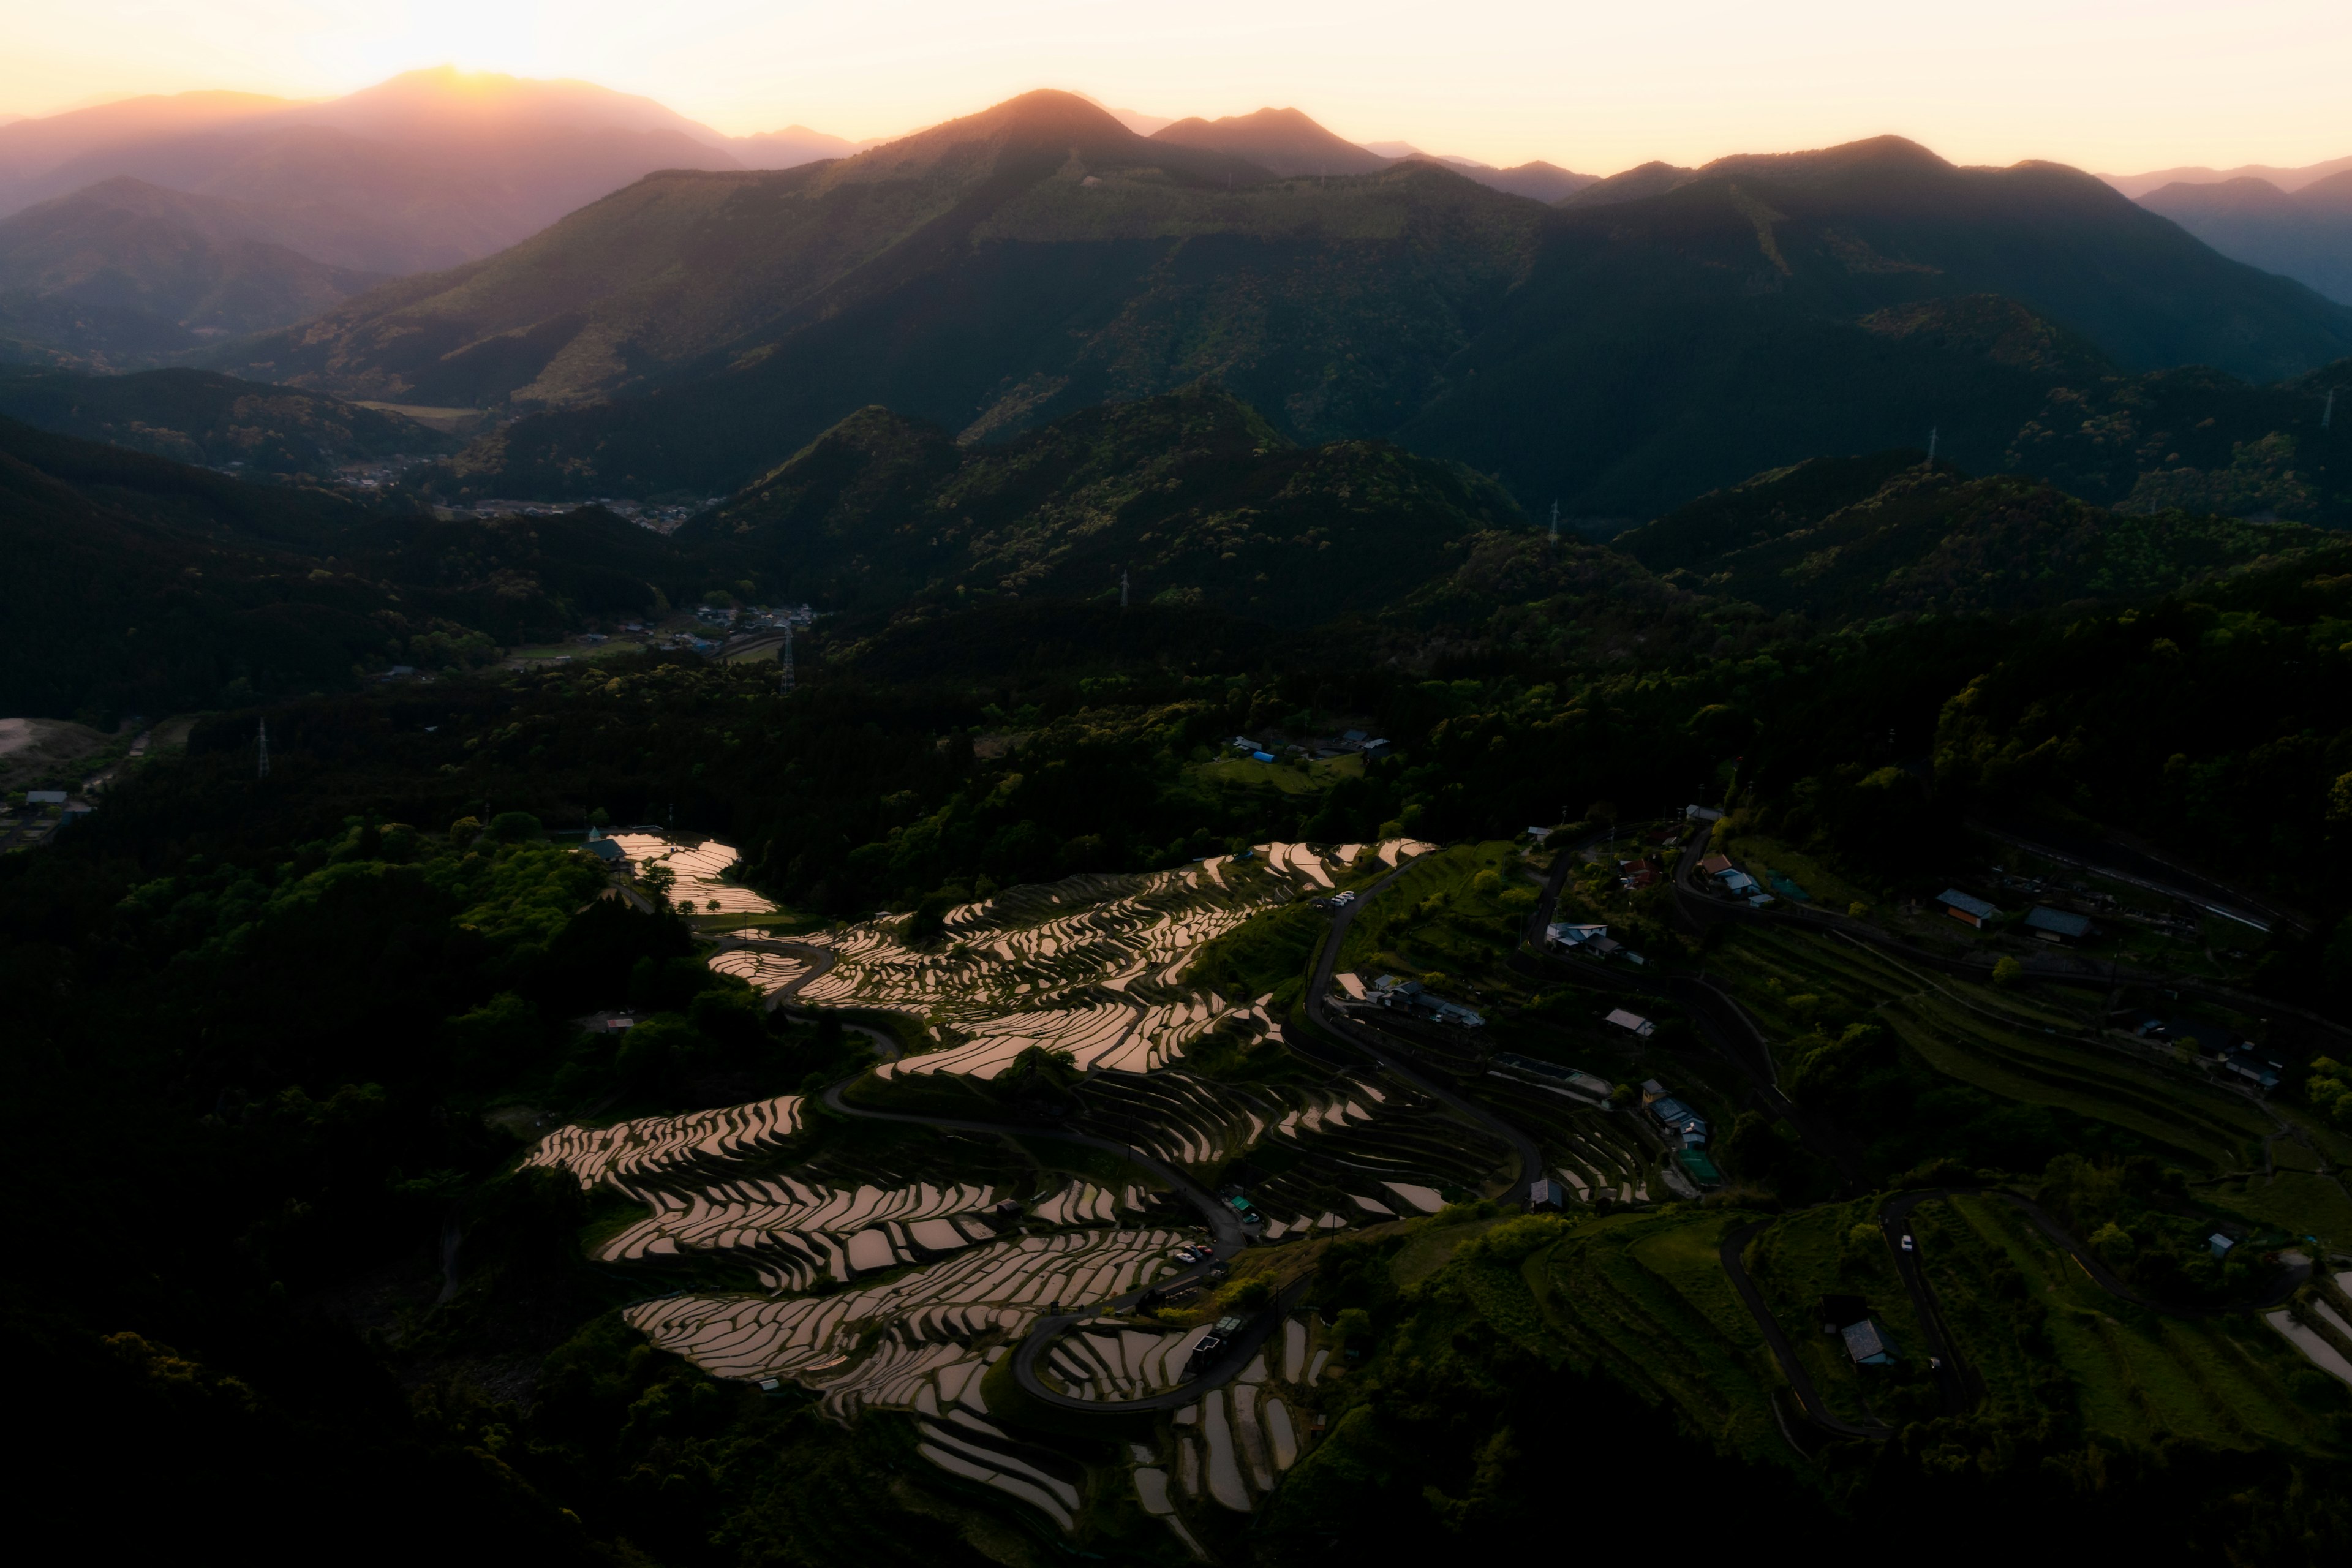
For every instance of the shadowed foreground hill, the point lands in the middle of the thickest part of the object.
(197, 417)
(1194, 496)
(139, 584)
(1857, 539)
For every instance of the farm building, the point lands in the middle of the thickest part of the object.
(1965, 908)
(1867, 1344)
(2057, 925)
(1632, 1021)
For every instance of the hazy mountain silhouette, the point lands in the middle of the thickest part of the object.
(2305, 234)
(791, 147)
(427, 170)
(2138, 185)
(1632, 184)
(195, 264)
(1282, 141)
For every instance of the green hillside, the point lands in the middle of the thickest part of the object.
(1193, 495)
(1823, 539)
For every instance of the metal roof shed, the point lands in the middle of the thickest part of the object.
(1966, 907)
(1632, 1021)
(2057, 925)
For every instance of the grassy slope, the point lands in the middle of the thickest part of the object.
(2135, 1375)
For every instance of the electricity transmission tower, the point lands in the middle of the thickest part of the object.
(788, 658)
(262, 771)
(1555, 522)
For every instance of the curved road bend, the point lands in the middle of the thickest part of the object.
(1224, 1224)
(1230, 1363)
(1318, 985)
(1800, 1380)
(1959, 1383)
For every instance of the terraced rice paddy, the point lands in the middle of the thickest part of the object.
(1644, 1296)
(764, 970)
(2014, 1046)
(926, 1327)
(1595, 1153)
(1110, 1360)
(967, 1447)
(1093, 965)
(1360, 1148)
(699, 869)
(1235, 1444)
(668, 1148)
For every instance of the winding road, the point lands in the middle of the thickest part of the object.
(1344, 1028)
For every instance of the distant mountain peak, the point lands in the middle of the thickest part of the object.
(1285, 140)
(1049, 121)
(442, 100)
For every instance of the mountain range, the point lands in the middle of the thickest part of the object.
(1618, 356)
(2302, 231)
(427, 170)
(1285, 142)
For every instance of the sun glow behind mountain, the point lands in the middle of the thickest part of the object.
(1591, 86)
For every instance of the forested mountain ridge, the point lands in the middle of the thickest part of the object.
(1933, 542)
(1617, 358)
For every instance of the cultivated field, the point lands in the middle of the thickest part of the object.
(1093, 965)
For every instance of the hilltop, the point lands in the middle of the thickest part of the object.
(1192, 496)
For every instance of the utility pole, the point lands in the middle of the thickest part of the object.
(262, 772)
(788, 658)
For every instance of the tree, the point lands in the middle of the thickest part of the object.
(2008, 972)
(658, 881)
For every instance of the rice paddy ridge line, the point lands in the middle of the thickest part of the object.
(1231, 1363)
(817, 956)
(1702, 911)
(1224, 1225)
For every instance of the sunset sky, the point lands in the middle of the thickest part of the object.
(2104, 84)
